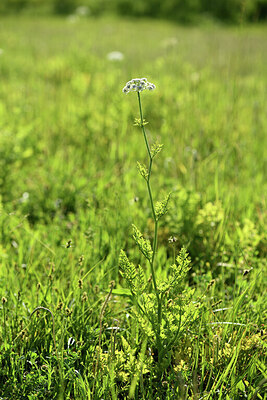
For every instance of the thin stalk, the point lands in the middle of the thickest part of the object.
(143, 128)
(4, 310)
(154, 247)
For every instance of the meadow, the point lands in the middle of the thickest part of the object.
(70, 192)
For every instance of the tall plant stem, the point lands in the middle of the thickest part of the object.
(154, 247)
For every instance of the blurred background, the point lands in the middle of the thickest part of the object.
(185, 11)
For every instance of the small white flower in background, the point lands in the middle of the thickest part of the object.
(138, 85)
(1, 51)
(73, 18)
(82, 11)
(115, 56)
(25, 197)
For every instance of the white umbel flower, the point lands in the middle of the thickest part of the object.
(138, 85)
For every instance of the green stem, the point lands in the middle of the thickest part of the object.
(143, 128)
(5, 334)
(155, 224)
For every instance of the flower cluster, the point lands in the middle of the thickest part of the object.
(138, 85)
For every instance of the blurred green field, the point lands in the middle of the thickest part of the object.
(68, 152)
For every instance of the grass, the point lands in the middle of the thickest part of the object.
(69, 194)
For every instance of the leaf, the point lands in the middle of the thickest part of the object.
(128, 271)
(121, 292)
(143, 244)
(138, 122)
(140, 279)
(143, 170)
(240, 385)
(161, 207)
(126, 346)
(155, 149)
(178, 271)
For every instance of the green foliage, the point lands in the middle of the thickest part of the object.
(180, 10)
(13, 5)
(161, 207)
(155, 149)
(142, 243)
(128, 271)
(142, 170)
(184, 11)
(190, 10)
(178, 272)
(178, 311)
(139, 122)
(65, 6)
(67, 172)
(134, 276)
